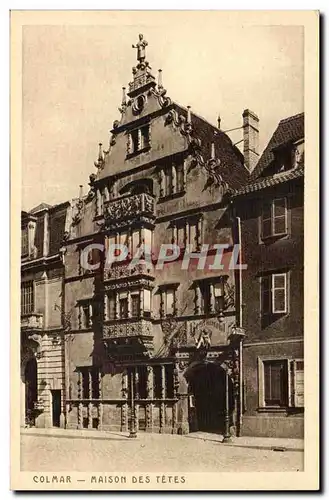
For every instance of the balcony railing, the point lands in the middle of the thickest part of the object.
(130, 207)
(32, 321)
(126, 270)
(131, 336)
(132, 328)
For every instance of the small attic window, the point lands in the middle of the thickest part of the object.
(138, 140)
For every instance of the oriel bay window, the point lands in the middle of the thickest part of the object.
(134, 303)
(274, 219)
(274, 294)
(281, 383)
(132, 238)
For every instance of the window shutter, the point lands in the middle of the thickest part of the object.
(298, 386)
(265, 295)
(267, 220)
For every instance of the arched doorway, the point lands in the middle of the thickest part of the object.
(31, 389)
(207, 397)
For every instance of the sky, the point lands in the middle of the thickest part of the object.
(73, 75)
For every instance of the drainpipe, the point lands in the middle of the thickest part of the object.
(240, 325)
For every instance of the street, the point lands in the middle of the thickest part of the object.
(151, 453)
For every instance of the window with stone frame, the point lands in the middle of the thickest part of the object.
(163, 388)
(157, 381)
(24, 242)
(27, 297)
(123, 305)
(282, 383)
(138, 140)
(172, 179)
(169, 381)
(274, 218)
(210, 296)
(131, 238)
(86, 314)
(139, 376)
(90, 382)
(186, 232)
(135, 305)
(168, 300)
(274, 294)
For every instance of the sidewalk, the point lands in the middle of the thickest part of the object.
(261, 443)
(253, 442)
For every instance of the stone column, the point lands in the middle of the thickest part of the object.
(80, 422)
(184, 175)
(197, 300)
(106, 307)
(150, 395)
(90, 322)
(141, 303)
(129, 304)
(162, 406)
(212, 298)
(98, 202)
(116, 310)
(174, 179)
(46, 234)
(124, 417)
(100, 416)
(162, 189)
(182, 404)
(90, 406)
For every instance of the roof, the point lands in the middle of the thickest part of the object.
(39, 208)
(289, 130)
(270, 181)
(232, 167)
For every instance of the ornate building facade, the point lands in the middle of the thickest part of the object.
(139, 346)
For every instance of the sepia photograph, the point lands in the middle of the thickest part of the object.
(164, 176)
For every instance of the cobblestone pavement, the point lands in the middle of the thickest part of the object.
(149, 453)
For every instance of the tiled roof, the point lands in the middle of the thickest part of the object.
(40, 207)
(289, 130)
(273, 180)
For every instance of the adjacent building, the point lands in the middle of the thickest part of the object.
(163, 346)
(271, 210)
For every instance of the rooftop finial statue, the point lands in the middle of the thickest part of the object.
(140, 46)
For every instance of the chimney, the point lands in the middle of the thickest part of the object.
(250, 139)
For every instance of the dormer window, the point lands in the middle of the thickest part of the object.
(138, 140)
(289, 156)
